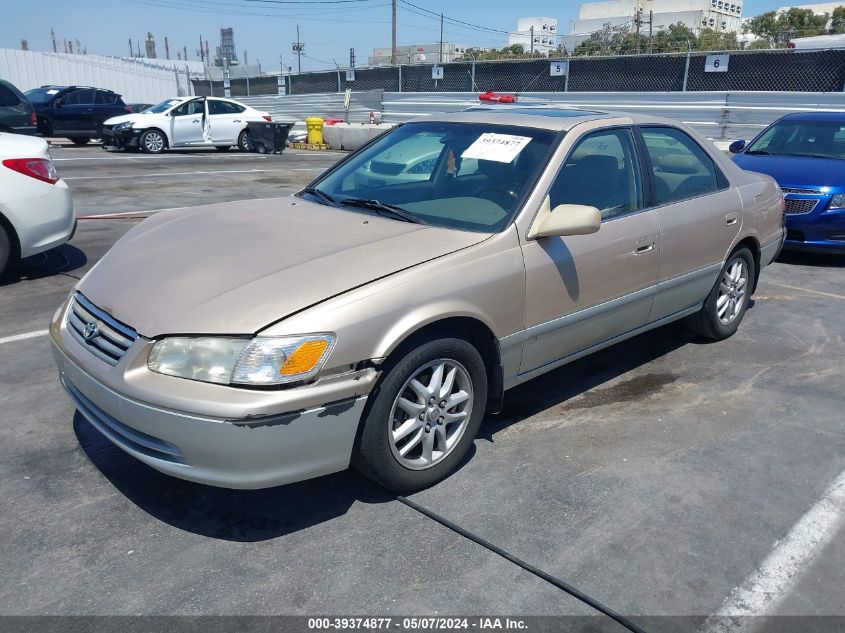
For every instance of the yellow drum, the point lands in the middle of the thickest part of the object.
(314, 124)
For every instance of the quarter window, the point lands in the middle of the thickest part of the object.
(7, 97)
(602, 172)
(223, 107)
(681, 168)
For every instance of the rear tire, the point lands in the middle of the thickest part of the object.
(245, 141)
(725, 306)
(153, 142)
(439, 431)
(5, 250)
(79, 140)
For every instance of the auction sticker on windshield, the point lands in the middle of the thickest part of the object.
(502, 148)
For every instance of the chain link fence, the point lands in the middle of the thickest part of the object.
(774, 70)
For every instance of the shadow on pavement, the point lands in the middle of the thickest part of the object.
(62, 259)
(800, 258)
(220, 513)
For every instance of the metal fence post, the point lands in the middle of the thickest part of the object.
(472, 76)
(210, 87)
(400, 77)
(566, 78)
(338, 80)
(247, 85)
(686, 72)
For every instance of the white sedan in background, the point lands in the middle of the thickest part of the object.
(184, 122)
(36, 210)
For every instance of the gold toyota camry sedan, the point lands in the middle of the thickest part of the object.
(376, 316)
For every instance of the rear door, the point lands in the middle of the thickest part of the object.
(106, 105)
(699, 217)
(225, 120)
(582, 290)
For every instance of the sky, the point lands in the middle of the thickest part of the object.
(267, 28)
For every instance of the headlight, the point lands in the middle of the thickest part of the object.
(123, 126)
(838, 201)
(257, 361)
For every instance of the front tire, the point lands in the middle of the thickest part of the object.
(245, 141)
(425, 415)
(153, 142)
(725, 306)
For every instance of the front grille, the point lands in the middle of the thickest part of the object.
(382, 167)
(98, 332)
(799, 207)
(809, 192)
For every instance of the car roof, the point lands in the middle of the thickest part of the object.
(546, 116)
(815, 116)
(63, 88)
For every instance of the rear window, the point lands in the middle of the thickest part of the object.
(7, 97)
(41, 95)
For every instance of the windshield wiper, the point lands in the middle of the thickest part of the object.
(322, 195)
(763, 152)
(383, 207)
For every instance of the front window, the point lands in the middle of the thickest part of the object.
(468, 176)
(816, 139)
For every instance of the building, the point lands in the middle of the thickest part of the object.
(226, 50)
(418, 54)
(818, 9)
(535, 34)
(719, 15)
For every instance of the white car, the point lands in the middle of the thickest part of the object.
(36, 210)
(184, 122)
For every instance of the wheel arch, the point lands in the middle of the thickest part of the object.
(753, 245)
(13, 235)
(471, 329)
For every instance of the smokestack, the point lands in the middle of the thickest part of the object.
(53, 37)
(185, 53)
(166, 48)
(24, 45)
(131, 52)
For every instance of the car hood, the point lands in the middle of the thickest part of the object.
(122, 118)
(796, 171)
(237, 267)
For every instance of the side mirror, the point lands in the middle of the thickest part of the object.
(737, 146)
(566, 219)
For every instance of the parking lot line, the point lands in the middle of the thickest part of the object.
(23, 337)
(172, 173)
(771, 582)
(158, 156)
(821, 293)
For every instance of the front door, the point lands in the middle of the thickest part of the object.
(699, 216)
(582, 290)
(186, 123)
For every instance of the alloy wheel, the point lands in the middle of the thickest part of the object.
(732, 289)
(430, 414)
(154, 142)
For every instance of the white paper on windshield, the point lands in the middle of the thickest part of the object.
(502, 148)
(52, 92)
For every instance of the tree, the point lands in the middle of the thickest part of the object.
(837, 20)
(710, 40)
(779, 29)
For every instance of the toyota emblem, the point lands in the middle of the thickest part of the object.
(91, 330)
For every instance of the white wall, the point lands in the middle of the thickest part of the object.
(138, 80)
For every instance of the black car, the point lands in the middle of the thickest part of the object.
(16, 113)
(75, 112)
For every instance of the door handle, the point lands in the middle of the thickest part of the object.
(731, 219)
(195, 121)
(644, 245)
(236, 121)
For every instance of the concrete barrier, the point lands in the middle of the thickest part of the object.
(351, 136)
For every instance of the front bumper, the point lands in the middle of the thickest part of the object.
(122, 139)
(250, 451)
(822, 232)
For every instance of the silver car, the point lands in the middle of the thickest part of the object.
(256, 343)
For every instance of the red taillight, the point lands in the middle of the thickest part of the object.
(32, 119)
(127, 109)
(267, 117)
(38, 168)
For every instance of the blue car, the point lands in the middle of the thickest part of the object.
(805, 154)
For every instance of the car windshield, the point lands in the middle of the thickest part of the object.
(163, 106)
(456, 175)
(818, 139)
(41, 95)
